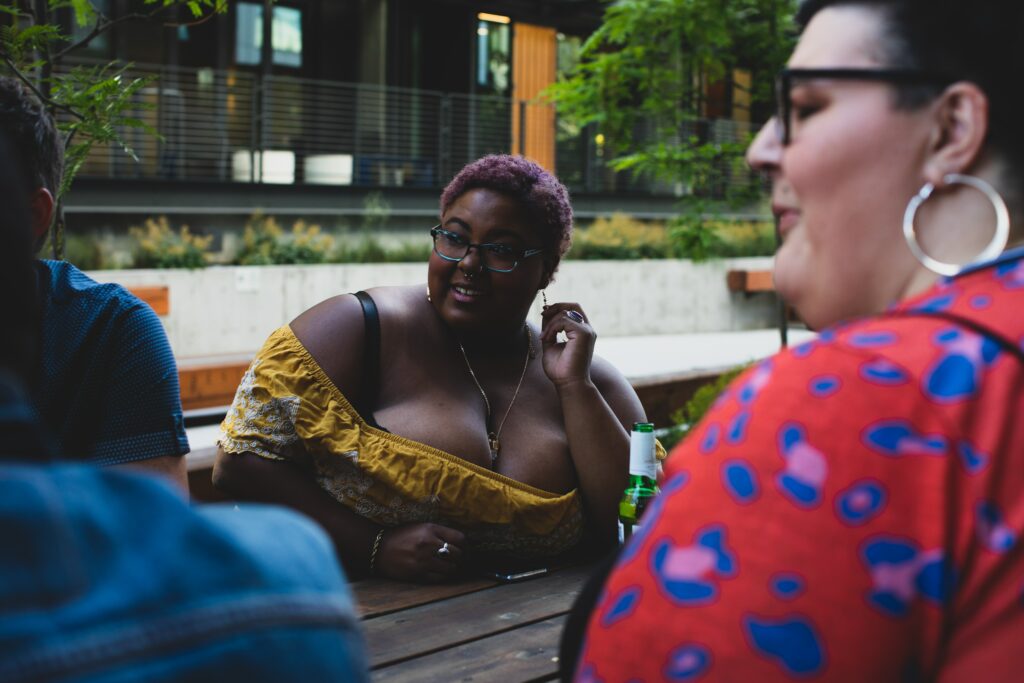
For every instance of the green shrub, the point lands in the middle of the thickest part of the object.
(690, 415)
(266, 243)
(368, 249)
(621, 237)
(84, 251)
(159, 246)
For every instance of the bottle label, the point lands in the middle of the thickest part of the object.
(626, 531)
(642, 460)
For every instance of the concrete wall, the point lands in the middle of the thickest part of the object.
(231, 310)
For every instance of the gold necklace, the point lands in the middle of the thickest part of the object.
(492, 434)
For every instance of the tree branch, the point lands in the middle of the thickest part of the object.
(42, 98)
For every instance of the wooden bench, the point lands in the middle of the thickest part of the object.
(158, 297)
(750, 281)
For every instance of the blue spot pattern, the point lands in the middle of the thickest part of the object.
(792, 642)
(935, 304)
(900, 572)
(802, 479)
(824, 386)
(588, 674)
(738, 428)
(883, 372)
(993, 531)
(971, 458)
(712, 436)
(621, 606)
(740, 481)
(688, 575)
(896, 438)
(787, 585)
(980, 302)
(956, 375)
(861, 502)
(687, 662)
(1011, 274)
(872, 339)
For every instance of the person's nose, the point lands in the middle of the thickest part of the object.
(765, 152)
(473, 262)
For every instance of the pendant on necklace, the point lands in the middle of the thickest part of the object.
(492, 440)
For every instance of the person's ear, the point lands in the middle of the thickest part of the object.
(42, 204)
(959, 132)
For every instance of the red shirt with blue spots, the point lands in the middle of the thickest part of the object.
(850, 509)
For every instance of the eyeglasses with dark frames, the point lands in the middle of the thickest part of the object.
(786, 77)
(498, 258)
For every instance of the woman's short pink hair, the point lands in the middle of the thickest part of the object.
(539, 191)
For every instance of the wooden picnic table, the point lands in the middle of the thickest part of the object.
(470, 630)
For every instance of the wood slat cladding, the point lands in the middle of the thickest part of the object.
(534, 57)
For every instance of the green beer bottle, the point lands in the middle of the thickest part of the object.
(643, 466)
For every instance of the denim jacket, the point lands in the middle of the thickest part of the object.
(111, 576)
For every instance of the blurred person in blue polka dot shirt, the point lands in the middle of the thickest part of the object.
(104, 380)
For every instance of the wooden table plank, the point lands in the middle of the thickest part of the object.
(529, 653)
(429, 628)
(375, 597)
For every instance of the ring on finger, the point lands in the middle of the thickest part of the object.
(575, 316)
(444, 550)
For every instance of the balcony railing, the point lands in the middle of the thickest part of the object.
(235, 126)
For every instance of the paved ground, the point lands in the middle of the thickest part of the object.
(639, 358)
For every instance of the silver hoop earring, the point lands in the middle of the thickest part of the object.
(992, 250)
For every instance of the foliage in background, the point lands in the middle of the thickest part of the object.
(690, 415)
(85, 252)
(624, 237)
(371, 250)
(93, 105)
(266, 243)
(642, 81)
(159, 246)
(620, 236)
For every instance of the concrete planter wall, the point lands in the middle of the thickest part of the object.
(231, 310)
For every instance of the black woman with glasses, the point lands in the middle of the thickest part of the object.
(851, 509)
(430, 429)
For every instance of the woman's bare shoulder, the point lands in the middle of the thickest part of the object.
(333, 331)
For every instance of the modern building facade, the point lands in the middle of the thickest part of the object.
(333, 99)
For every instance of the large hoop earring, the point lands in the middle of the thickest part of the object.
(991, 251)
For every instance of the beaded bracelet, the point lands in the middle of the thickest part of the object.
(376, 548)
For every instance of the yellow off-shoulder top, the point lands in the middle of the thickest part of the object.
(286, 408)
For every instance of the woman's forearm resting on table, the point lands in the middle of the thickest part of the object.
(250, 477)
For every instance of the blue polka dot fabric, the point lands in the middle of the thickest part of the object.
(849, 510)
(107, 388)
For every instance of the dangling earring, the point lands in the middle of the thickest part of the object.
(992, 250)
(428, 295)
(544, 297)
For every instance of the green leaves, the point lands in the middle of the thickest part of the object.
(644, 76)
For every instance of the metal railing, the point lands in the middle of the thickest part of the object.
(236, 126)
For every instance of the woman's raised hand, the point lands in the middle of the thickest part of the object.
(422, 552)
(568, 362)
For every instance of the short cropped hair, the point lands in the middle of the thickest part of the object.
(525, 181)
(34, 133)
(977, 42)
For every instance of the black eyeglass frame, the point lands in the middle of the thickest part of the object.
(785, 78)
(482, 246)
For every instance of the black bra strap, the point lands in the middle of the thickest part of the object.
(371, 356)
(970, 324)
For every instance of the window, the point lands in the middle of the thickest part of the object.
(287, 35)
(493, 52)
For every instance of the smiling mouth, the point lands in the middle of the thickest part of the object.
(787, 219)
(462, 292)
